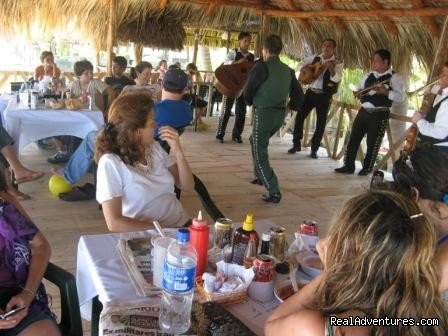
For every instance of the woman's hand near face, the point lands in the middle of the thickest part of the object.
(171, 136)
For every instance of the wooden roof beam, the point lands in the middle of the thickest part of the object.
(388, 23)
(211, 8)
(303, 22)
(358, 13)
(428, 21)
(337, 22)
(163, 4)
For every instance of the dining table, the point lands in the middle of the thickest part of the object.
(27, 125)
(101, 274)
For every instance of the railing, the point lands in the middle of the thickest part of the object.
(336, 132)
(7, 76)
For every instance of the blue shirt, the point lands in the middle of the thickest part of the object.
(174, 113)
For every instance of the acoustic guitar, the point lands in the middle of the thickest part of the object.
(231, 78)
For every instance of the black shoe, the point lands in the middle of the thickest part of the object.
(220, 138)
(85, 193)
(294, 149)
(364, 172)
(345, 170)
(59, 157)
(256, 181)
(237, 139)
(274, 198)
(313, 155)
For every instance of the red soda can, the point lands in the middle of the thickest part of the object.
(263, 268)
(308, 227)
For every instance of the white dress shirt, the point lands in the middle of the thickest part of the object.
(230, 58)
(439, 128)
(397, 93)
(319, 82)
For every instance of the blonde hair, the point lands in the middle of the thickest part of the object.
(380, 261)
(128, 113)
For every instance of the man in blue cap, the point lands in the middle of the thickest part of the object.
(170, 111)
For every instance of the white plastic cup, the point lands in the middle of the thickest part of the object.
(261, 291)
(159, 254)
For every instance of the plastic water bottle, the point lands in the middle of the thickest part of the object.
(178, 285)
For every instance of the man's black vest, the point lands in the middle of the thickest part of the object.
(378, 100)
(239, 55)
(328, 86)
(431, 117)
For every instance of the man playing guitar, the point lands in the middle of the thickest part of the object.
(238, 55)
(376, 100)
(318, 95)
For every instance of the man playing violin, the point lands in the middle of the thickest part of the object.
(381, 87)
(327, 73)
(238, 55)
(433, 125)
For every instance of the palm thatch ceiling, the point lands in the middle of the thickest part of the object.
(406, 27)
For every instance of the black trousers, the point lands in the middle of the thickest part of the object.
(374, 125)
(321, 102)
(240, 116)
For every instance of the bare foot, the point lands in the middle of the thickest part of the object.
(20, 196)
(58, 172)
(25, 175)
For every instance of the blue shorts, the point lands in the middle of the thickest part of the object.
(35, 314)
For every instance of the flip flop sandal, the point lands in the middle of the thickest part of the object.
(84, 193)
(31, 177)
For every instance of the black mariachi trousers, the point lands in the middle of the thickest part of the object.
(321, 102)
(373, 123)
(240, 116)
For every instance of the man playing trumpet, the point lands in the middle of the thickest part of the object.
(433, 125)
(322, 87)
(381, 87)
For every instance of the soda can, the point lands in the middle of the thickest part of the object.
(223, 232)
(264, 268)
(277, 243)
(308, 227)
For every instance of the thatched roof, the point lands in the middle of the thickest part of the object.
(358, 26)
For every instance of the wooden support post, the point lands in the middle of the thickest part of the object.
(138, 52)
(228, 41)
(441, 54)
(196, 45)
(111, 34)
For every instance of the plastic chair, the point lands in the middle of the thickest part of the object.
(70, 324)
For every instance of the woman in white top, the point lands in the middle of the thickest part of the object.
(136, 177)
(141, 74)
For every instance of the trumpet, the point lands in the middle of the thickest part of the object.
(412, 93)
(362, 92)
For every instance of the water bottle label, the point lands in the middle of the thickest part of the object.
(178, 279)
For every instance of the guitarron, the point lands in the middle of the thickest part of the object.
(231, 78)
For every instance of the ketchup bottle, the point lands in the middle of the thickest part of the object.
(199, 233)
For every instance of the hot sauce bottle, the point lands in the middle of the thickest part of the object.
(241, 239)
(199, 232)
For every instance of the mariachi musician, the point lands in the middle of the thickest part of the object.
(380, 88)
(326, 73)
(238, 55)
(433, 125)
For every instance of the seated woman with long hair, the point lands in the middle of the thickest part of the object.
(423, 176)
(24, 256)
(378, 262)
(141, 74)
(136, 177)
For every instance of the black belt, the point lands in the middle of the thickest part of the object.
(375, 109)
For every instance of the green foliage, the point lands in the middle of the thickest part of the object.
(345, 93)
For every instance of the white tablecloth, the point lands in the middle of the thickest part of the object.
(26, 125)
(100, 271)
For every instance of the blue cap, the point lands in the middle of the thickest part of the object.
(175, 80)
(183, 236)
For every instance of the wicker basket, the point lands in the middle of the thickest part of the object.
(237, 296)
